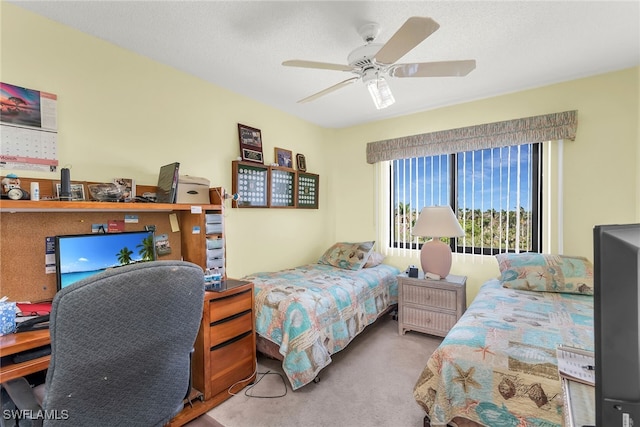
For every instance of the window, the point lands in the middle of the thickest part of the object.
(495, 193)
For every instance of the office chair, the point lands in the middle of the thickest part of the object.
(120, 348)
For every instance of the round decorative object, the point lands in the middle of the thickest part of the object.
(17, 194)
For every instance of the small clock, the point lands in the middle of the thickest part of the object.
(17, 194)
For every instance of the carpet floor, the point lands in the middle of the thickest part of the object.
(203, 421)
(370, 383)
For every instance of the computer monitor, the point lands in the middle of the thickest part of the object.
(82, 255)
(617, 324)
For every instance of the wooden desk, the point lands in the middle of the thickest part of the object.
(225, 350)
(16, 343)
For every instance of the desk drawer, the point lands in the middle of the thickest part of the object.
(430, 297)
(231, 328)
(232, 362)
(224, 307)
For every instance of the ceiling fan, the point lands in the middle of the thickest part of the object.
(371, 62)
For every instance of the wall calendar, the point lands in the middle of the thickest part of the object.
(28, 129)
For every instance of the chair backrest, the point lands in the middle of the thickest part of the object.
(121, 343)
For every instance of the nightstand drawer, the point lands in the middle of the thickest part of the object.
(231, 328)
(224, 307)
(429, 297)
(428, 321)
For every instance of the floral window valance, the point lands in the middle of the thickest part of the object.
(491, 135)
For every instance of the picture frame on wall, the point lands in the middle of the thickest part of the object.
(250, 144)
(251, 183)
(282, 181)
(301, 162)
(308, 190)
(283, 157)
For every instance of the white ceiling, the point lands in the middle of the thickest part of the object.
(240, 45)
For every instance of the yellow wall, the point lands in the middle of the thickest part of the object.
(121, 114)
(601, 167)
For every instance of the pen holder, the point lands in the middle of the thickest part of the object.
(7, 317)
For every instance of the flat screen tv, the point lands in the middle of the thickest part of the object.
(82, 255)
(617, 324)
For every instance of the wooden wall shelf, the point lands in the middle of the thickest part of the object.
(25, 226)
(58, 206)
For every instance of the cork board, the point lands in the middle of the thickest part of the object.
(23, 238)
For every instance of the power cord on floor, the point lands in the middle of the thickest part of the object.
(264, 374)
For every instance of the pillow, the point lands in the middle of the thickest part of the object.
(375, 258)
(546, 273)
(350, 256)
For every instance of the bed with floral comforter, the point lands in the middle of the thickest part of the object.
(497, 366)
(313, 311)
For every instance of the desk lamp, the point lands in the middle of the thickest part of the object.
(436, 222)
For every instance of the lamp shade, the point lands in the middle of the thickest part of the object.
(436, 222)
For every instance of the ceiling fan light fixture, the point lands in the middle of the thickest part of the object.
(380, 93)
(373, 60)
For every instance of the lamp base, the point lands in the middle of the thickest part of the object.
(435, 257)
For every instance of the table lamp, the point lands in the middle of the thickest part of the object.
(436, 222)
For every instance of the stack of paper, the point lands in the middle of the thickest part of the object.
(576, 364)
(577, 373)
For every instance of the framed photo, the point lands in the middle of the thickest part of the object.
(284, 157)
(77, 192)
(302, 163)
(250, 143)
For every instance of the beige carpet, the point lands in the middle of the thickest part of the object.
(203, 421)
(370, 383)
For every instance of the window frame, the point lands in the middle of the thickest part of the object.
(537, 175)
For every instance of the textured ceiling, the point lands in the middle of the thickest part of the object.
(240, 45)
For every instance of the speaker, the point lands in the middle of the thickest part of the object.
(65, 184)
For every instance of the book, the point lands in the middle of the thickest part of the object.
(168, 183)
(127, 186)
(577, 374)
(578, 404)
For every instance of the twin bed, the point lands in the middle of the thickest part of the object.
(306, 314)
(497, 366)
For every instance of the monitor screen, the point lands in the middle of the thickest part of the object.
(83, 255)
(168, 183)
(617, 324)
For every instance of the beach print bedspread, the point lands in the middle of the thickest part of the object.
(314, 311)
(498, 365)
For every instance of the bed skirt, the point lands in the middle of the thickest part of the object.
(268, 348)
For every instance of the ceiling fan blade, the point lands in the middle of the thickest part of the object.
(410, 35)
(328, 90)
(320, 65)
(433, 69)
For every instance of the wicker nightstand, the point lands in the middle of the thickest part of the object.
(430, 306)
